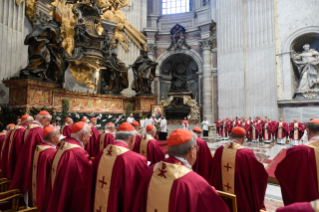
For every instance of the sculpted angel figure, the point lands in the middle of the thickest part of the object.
(307, 63)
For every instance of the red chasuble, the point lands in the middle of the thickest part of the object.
(217, 128)
(138, 140)
(248, 129)
(224, 130)
(15, 146)
(22, 175)
(93, 143)
(204, 159)
(2, 136)
(66, 131)
(40, 189)
(69, 178)
(236, 170)
(172, 187)
(297, 173)
(151, 150)
(114, 180)
(297, 207)
(4, 155)
(105, 139)
(267, 132)
(296, 134)
(281, 130)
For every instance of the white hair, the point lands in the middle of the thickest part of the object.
(182, 150)
(53, 133)
(85, 129)
(30, 118)
(41, 116)
(124, 135)
(69, 120)
(109, 126)
(150, 132)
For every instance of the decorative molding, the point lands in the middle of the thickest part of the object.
(215, 72)
(41, 13)
(206, 44)
(152, 48)
(206, 2)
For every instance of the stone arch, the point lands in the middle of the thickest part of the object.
(192, 53)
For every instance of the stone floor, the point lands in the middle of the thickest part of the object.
(265, 153)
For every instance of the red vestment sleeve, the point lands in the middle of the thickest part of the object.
(297, 175)
(137, 143)
(16, 146)
(297, 207)
(4, 156)
(204, 160)
(67, 131)
(90, 147)
(154, 152)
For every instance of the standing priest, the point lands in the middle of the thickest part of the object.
(296, 131)
(237, 171)
(106, 137)
(66, 129)
(204, 156)
(298, 172)
(282, 131)
(39, 188)
(116, 174)
(69, 174)
(32, 137)
(171, 185)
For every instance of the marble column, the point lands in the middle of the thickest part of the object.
(206, 45)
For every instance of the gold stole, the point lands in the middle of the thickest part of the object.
(65, 146)
(254, 133)
(279, 131)
(315, 146)
(224, 132)
(266, 132)
(143, 145)
(102, 138)
(315, 205)
(161, 183)
(104, 176)
(228, 166)
(11, 138)
(37, 152)
(3, 143)
(31, 126)
(296, 131)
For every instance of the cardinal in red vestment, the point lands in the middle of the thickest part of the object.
(138, 137)
(236, 170)
(4, 154)
(91, 146)
(66, 129)
(106, 138)
(15, 144)
(171, 185)
(185, 123)
(296, 131)
(2, 136)
(70, 172)
(301, 207)
(149, 147)
(247, 128)
(204, 156)
(32, 137)
(281, 131)
(40, 187)
(298, 172)
(267, 131)
(116, 174)
(218, 127)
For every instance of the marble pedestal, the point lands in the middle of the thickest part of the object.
(143, 103)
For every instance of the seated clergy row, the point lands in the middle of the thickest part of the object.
(65, 179)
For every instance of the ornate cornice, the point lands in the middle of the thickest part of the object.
(206, 44)
(152, 48)
(41, 13)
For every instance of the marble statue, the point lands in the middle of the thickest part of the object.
(114, 78)
(178, 38)
(307, 63)
(144, 74)
(179, 83)
(46, 54)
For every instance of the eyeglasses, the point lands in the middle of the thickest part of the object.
(196, 147)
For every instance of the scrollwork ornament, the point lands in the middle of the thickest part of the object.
(206, 44)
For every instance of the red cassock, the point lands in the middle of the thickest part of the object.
(297, 175)
(297, 207)
(217, 127)
(2, 136)
(138, 140)
(90, 147)
(281, 133)
(238, 123)
(15, 146)
(250, 178)
(116, 188)
(300, 130)
(40, 189)
(224, 132)
(66, 131)
(204, 159)
(248, 129)
(267, 132)
(184, 190)
(69, 178)
(22, 174)
(273, 126)
(259, 128)
(105, 139)
(4, 156)
(229, 126)
(151, 149)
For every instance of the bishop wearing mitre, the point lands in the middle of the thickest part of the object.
(70, 171)
(116, 174)
(236, 170)
(39, 189)
(171, 185)
(32, 137)
(298, 172)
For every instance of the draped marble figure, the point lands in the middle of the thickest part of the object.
(307, 63)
